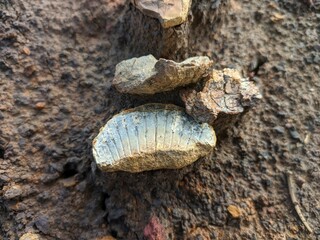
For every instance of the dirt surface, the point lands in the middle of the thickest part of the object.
(57, 61)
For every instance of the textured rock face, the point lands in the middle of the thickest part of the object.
(29, 236)
(150, 137)
(225, 93)
(146, 75)
(169, 12)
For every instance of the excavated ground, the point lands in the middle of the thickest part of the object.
(57, 61)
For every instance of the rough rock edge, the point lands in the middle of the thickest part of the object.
(146, 75)
(227, 85)
(166, 22)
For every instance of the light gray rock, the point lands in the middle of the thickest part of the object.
(147, 75)
(225, 94)
(150, 137)
(30, 236)
(169, 12)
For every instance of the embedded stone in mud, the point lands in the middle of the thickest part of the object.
(225, 93)
(169, 12)
(146, 75)
(150, 137)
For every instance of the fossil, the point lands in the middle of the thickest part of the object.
(150, 137)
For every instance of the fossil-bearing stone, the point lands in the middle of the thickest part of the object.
(225, 93)
(150, 137)
(147, 75)
(169, 12)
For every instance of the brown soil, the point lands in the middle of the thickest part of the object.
(57, 61)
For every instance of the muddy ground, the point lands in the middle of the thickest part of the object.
(57, 61)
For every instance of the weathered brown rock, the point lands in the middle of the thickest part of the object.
(234, 211)
(150, 137)
(146, 75)
(169, 12)
(225, 94)
(142, 34)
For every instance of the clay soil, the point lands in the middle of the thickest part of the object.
(57, 60)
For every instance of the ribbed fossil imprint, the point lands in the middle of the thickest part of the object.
(149, 137)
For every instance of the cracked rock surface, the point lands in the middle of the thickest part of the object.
(147, 75)
(225, 93)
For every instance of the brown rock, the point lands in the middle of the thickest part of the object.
(40, 105)
(26, 51)
(225, 94)
(146, 75)
(234, 211)
(169, 12)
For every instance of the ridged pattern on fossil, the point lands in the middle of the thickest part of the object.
(151, 136)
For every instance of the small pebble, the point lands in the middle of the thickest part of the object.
(26, 130)
(26, 51)
(277, 17)
(270, 210)
(279, 129)
(234, 211)
(40, 105)
(294, 134)
(42, 223)
(305, 141)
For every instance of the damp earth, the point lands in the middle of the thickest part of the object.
(57, 63)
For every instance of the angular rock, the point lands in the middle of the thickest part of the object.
(234, 211)
(146, 75)
(225, 94)
(150, 137)
(169, 12)
(12, 192)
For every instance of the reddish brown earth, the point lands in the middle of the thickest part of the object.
(57, 61)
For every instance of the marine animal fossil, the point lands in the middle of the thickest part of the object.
(149, 137)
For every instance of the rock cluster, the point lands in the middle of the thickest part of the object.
(169, 12)
(225, 93)
(150, 137)
(164, 136)
(147, 75)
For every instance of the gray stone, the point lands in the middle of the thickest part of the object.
(150, 137)
(279, 129)
(147, 75)
(294, 134)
